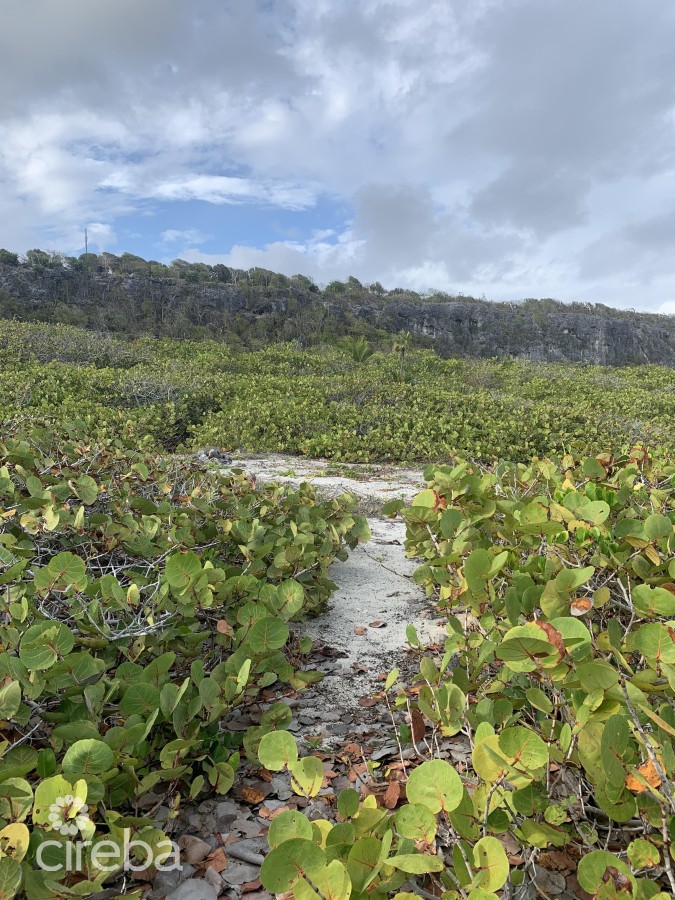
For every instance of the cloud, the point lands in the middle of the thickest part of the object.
(510, 147)
(190, 236)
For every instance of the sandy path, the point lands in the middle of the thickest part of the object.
(372, 585)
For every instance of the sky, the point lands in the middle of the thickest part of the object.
(511, 148)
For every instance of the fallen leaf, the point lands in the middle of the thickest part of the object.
(249, 886)
(553, 636)
(556, 859)
(417, 726)
(360, 630)
(224, 627)
(352, 749)
(392, 794)
(367, 702)
(619, 881)
(252, 796)
(378, 623)
(356, 771)
(649, 773)
(264, 775)
(216, 860)
(581, 605)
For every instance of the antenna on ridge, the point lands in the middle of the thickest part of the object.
(86, 241)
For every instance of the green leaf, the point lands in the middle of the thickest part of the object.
(10, 877)
(182, 569)
(286, 864)
(43, 643)
(52, 789)
(491, 865)
(657, 527)
(595, 513)
(364, 861)
(307, 776)
(140, 699)
(288, 825)
(435, 785)
(643, 854)
(267, 634)
(86, 489)
(65, 570)
(416, 822)
(88, 757)
(348, 803)
(416, 863)
(596, 865)
(291, 597)
(10, 699)
(278, 749)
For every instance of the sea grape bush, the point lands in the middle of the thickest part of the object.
(558, 579)
(558, 673)
(142, 600)
(171, 394)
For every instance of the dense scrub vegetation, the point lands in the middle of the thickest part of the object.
(557, 678)
(131, 296)
(398, 404)
(143, 600)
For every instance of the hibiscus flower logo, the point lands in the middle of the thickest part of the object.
(68, 815)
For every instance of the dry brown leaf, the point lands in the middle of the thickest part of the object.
(553, 636)
(649, 773)
(352, 749)
(252, 795)
(272, 814)
(392, 794)
(216, 860)
(618, 880)
(224, 627)
(360, 630)
(378, 623)
(556, 859)
(581, 605)
(417, 726)
(367, 702)
(249, 886)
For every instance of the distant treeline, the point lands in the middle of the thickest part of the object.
(132, 296)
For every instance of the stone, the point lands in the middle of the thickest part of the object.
(194, 848)
(194, 889)
(240, 873)
(226, 808)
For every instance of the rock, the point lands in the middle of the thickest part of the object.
(213, 454)
(226, 808)
(214, 879)
(167, 881)
(240, 873)
(194, 848)
(194, 889)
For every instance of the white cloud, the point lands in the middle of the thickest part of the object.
(512, 148)
(190, 236)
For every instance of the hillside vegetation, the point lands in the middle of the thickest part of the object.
(145, 599)
(136, 297)
(396, 405)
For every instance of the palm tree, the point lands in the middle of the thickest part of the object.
(400, 344)
(357, 347)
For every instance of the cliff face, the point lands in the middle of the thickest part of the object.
(486, 330)
(136, 304)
